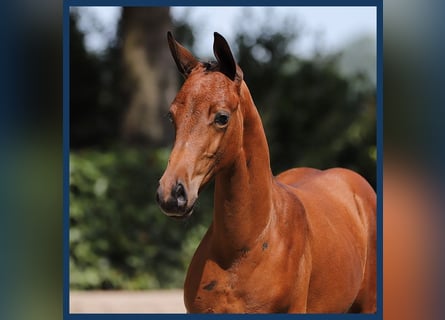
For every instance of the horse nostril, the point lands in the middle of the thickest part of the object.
(180, 195)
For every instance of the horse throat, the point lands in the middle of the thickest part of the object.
(243, 191)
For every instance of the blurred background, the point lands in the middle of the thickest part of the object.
(312, 74)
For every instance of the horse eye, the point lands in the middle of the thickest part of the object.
(221, 119)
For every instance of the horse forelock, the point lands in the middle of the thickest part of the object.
(214, 66)
(211, 66)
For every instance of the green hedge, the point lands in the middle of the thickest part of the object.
(119, 239)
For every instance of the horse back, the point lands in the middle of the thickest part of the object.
(337, 197)
(336, 184)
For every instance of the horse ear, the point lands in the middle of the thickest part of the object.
(223, 54)
(185, 61)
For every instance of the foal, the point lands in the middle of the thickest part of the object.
(301, 242)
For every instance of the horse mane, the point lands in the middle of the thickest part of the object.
(211, 66)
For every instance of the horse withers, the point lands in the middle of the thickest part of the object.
(301, 242)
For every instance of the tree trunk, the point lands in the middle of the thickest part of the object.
(150, 75)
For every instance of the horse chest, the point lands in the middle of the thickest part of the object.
(223, 295)
(247, 287)
(216, 296)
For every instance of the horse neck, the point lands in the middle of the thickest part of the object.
(243, 191)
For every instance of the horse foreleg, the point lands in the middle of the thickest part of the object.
(301, 293)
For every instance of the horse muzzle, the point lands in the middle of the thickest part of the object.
(176, 203)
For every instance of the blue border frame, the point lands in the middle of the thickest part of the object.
(66, 152)
(66, 148)
(224, 3)
(380, 159)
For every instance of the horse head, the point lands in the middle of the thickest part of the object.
(208, 125)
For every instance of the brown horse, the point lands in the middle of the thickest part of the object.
(301, 242)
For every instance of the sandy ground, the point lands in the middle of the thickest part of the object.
(154, 301)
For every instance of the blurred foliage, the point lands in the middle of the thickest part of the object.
(119, 239)
(312, 115)
(118, 236)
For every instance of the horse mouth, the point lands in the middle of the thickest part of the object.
(181, 215)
